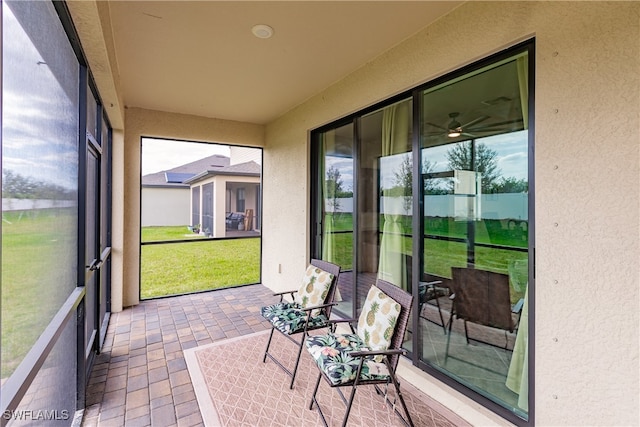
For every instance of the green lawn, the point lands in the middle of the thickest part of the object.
(178, 268)
(35, 244)
(441, 255)
(159, 234)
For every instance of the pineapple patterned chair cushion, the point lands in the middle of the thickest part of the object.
(314, 288)
(377, 320)
(288, 317)
(375, 328)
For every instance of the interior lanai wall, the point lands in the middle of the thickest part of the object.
(586, 189)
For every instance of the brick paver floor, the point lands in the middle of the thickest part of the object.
(140, 378)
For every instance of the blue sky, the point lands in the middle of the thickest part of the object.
(39, 123)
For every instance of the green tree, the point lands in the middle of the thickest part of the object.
(404, 181)
(431, 186)
(17, 186)
(511, 185)
(461, 157)
(333, 187)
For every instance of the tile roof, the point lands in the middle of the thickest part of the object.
(186, 171)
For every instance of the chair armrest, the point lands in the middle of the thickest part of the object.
(283, 293)
(378, 352)
(316, 307)
(343, 320)
(334, 322)
(435, 282)
(430, 290)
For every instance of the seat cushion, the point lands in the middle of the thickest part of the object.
(331, 354)
(289, 318)
(378, 319)
(314, 288)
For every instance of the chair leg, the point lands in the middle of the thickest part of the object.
(446, 352)
(266, 351)
(444, 328)
(408, 421)
(315, 390)
(466, 331)
(295, 369)
(346, 415)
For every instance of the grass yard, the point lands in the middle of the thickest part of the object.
(178, 268)
(38, 274)
(441, 255)
(159, 234)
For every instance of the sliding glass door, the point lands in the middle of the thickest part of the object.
(437, 182)
(475, 191)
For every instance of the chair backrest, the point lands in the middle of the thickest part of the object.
(482, 297)
(333, 269)
(405, 300)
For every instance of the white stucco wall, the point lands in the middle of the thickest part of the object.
(165, 206)
(586, 190)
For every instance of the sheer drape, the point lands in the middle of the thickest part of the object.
(518, 376)
(328, 239)
(396, 127)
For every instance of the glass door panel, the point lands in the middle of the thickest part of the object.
(337, 211)
(474, 154)
(384, 203)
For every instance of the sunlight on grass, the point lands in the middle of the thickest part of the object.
(177, 268)
(161, 233)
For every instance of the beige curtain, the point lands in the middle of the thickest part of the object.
(522, 65)
(518, 375)
(328, 239)
(396, 128)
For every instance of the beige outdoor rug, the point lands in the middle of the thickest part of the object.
(235, 388)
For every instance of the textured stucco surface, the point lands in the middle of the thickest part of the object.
(165, 206)
(587, 176)
(586, 189)
(92, 21)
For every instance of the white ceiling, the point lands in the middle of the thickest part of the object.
(201, 58)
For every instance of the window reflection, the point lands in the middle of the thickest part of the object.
(337, 210)
(475, 193)
(474, 250)
(39, 174)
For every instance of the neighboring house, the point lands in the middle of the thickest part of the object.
(218, 192)
(203, 192)
(165, 196)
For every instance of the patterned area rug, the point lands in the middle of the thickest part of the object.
(235, 388)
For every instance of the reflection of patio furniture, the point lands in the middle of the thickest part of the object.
(310, 309)
(481, 297)
(233, 220)
(368, 355)
(428, 290)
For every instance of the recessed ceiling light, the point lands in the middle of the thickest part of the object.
(262, 31)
